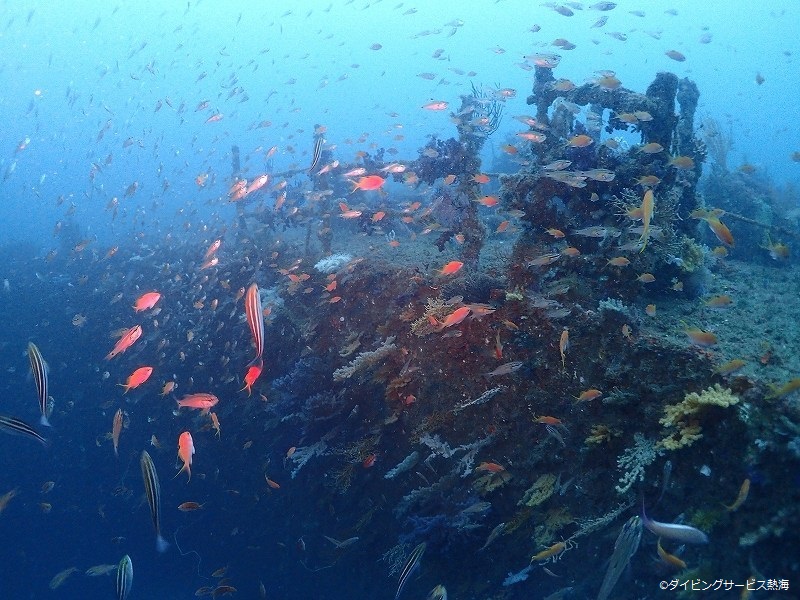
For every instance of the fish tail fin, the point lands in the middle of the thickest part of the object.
(44, 421)
(186, 468)
(161, 544)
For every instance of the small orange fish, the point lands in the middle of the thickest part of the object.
(488, 201)
(590, 394)
(202, 401)
(378, 216)
(137, 378)
(252, 374)
(125, 341)
(215, 423)
(491, 467)
(453, 318)
(273, 484)
(370, 182)
(580, 141)
(212, 262)
(185, 452)
(451, 268)
(563, 345)
(146, 301)
(168, 387)
(700, 337)
(722, 301)
(480, 178)
(189, 506)
(369, 461)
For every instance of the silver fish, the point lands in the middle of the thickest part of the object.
(124, 577)
(408, 568)
(152, 489)
(624, 548)
(505, 369)
(39, 370)
(675, 531)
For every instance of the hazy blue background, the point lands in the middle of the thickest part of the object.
(70, 70)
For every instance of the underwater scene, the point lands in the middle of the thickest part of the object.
(399, 300)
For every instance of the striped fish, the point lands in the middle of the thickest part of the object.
(124, 577)
(255, 319)
(409, 567)
(624, 548)
(152, 489)
(317, 154)
(16, 427)
(39, 370)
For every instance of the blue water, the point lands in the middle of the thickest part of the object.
(97, 96)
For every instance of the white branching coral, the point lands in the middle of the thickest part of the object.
(365, 359)
(634, 460)
(408, 463)
(305, 453)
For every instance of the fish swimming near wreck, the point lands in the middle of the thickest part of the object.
(624, 548)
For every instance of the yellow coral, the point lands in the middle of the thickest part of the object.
(682, 419)
(540, 491)
(601, 434)
(490, 482)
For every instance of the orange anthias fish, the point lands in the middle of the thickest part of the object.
(202, 401)
(454, 318)
(711, 216)
(145, 301)
(137, 378)
(370, 182)
(215, 424)
(563, 345)
(253, 373)
(116, 429)
(213, 248)
(126, 341)
(451, 268)
(185, 452)
(648, 205)
(700, 337)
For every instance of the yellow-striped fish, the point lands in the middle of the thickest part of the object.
(152, 489)
(124, 577)
(408, 568)
(39, 370)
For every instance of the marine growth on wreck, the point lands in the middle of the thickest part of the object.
(559, 364)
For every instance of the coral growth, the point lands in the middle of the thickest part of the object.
(682, 420)
(365, 359)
